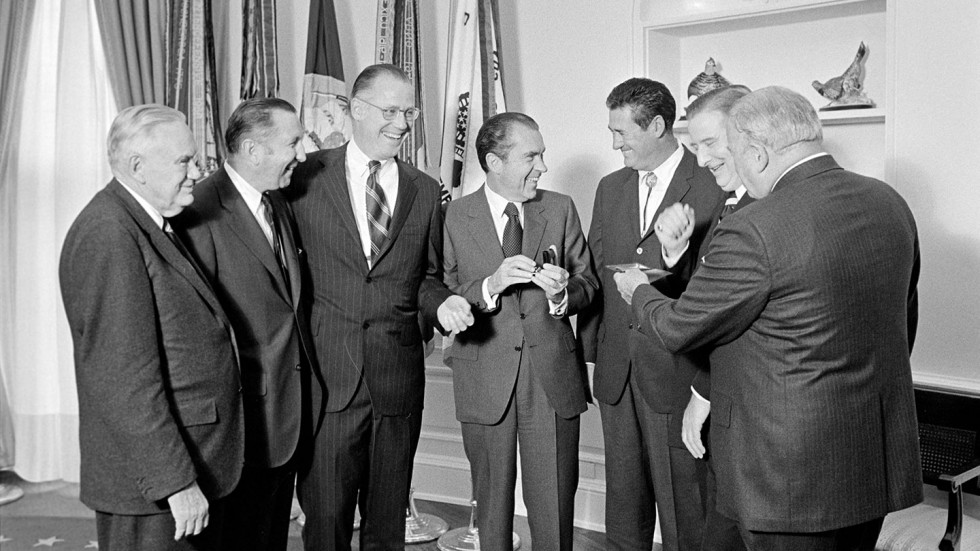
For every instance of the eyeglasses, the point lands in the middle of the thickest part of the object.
(389, 113)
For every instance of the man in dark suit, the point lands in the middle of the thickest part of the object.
(240, 231)
(706, 127)
(642, 389)
(372, 226)
(809, 296)
(517, 373)
(160, 415)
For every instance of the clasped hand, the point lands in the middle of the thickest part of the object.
(455, 314)
(674, 228)
(520, 269)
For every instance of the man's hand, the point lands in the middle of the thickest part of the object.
(674, 228)
(455, 314)
(514, 270)
(553, 279)
(190, 510)
(628, 281)
(695, 413)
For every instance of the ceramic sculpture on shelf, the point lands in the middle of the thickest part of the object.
(846, 91)
(706, 81)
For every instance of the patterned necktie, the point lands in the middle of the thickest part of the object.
(513, 232)
(277, 246)
(378, 213)
(649, 180)
(730, 204)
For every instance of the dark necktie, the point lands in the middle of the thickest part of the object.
(378, 213)
(649, 180)
(169, 231)
(277, 246)
(731, 203)
(513, 232)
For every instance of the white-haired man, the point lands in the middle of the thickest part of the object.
(809, 298)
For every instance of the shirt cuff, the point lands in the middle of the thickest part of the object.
(559, 309)
(671, 261)
(490, 300)
(699, 397)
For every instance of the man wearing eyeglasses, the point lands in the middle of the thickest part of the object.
(372, 229)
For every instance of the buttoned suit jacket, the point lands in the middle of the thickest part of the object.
(268, 315)
(155, 366)
(485, 358)
(610, 334)
(809, 297)
(365, 321)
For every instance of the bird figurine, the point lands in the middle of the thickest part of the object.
(846, 90)
(706, 81)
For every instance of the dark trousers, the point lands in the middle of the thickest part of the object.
(860, 537)
(156, 532)
(720, 532)
(257, 512)
(362, 460)
(549, 469)
(644, 476)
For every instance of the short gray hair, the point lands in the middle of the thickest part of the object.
(777, 118)
(133, 126)
(719, 99)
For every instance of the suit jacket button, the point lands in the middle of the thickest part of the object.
(299, 367)
(631, 326)
(367, 279)
(639, 250)
(517, 348)
(523, 315)
(365, 325)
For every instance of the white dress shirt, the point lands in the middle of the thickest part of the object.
(651, 198)
(154, 213)
(253, 200)
(497, 205)
(357, 176)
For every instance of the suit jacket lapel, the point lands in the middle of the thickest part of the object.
(629, 191)
(407, 189)
(678, 188)
(534, 225)
(333, 183)
(482, 229)
(169, 251)
(284, 219)
(247, 229)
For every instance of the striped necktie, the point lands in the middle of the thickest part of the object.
(378, 213)
(277, 244)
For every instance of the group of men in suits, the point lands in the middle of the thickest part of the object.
(265, 328)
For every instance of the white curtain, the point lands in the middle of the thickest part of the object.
(59, 163)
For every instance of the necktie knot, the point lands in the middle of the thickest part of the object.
(374, 166)
(650, 180)
(731, 201)
(511, 211)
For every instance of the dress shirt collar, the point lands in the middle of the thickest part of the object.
(252, 197)
(739, 193)
(796, 164)
(498, 203)
(154, 213)
(357, 161)
(665, 172)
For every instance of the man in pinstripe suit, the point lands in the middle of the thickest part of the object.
(372, 228)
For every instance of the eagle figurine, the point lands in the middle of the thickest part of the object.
(846, 89)
(706, 81)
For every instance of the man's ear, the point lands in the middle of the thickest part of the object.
(494, 163)
(134, 168)
(657, 126)
(356, 109)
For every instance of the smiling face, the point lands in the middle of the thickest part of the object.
(378, 138)
(281, 149)
(515, 175)
(640, 148)
(167, 169)
(710, 143)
